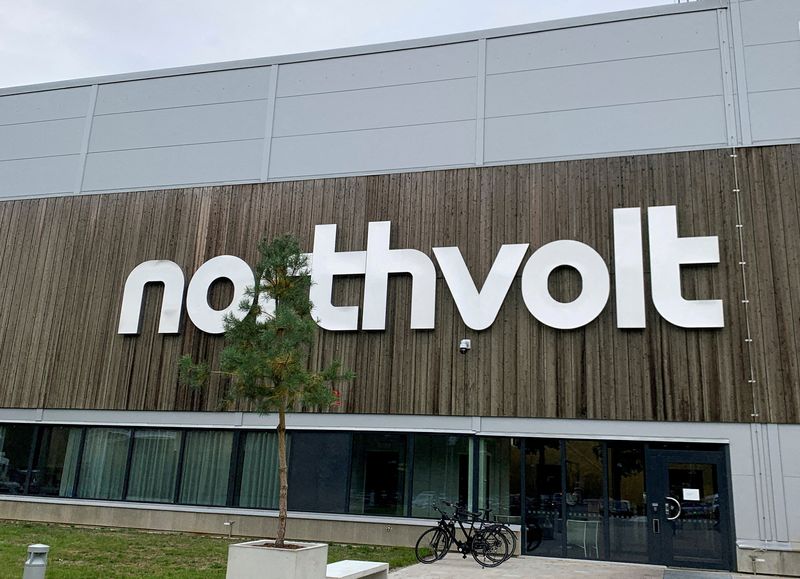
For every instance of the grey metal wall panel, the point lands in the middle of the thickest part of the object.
(375, 150)
(606, 83)
(178, 91)
(691, 122)
(43, 176)
(410, 104)
(774, 115)
(43, 106)
(745, 513)
(185, 125)
(41, 139)
(612, 41)
(773, 66)
(767, 21)
(174, 166)
(382, 69)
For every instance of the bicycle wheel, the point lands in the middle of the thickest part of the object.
(432, 545)
(509, 536)
(490, 548)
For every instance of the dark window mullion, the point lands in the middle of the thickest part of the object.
(31, 454)
(128, 461)
(233, 468)
(179, 472)
(78, 462)
(410, 471)
(563, 445)
(606, 513)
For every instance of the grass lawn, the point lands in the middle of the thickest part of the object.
(88, 552)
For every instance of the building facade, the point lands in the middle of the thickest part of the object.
(606, 207)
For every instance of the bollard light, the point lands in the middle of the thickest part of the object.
(36, 563)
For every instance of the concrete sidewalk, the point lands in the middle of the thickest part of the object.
(453, 566)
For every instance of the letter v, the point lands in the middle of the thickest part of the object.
(479, 309)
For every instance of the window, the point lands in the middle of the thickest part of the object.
(206, 467)
(543, 495)
(103, 463)
(499, 478)
(442, 471)
(55, 461)
(15, 448)
(154, 465)
(319, 471)
(259, 483)
(585, 498)
(627, 509)
(378, 474)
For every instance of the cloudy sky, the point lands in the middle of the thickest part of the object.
(49, 40)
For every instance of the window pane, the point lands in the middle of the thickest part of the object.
(499, 478)
(543, 521)
(319, 466)
(441, 472)
(206, 466)
(15, 448)
(626, 502)
(584, 497)
(55, 463)
(105, 455)
(259, 480)
(154, 465)
(378, 474)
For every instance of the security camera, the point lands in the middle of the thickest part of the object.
(465, 346)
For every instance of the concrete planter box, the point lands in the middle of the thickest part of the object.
(251, 560)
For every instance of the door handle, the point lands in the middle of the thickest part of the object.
(656, 526)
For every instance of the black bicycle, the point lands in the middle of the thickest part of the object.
(509, 535)
(486, 544)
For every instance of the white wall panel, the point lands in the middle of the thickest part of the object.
(41, 139)
(766, 21)
(381, 69)
(174, 166)
(774, 115)
(185, 125)
(792, 494)
(409, 104)
(42, 106)
(745, 508)
(773, 66)
(606, 83)
(183, 90)
(374, 150)
(789, 436)
(691, 122)
(42, 176)
(611, 41)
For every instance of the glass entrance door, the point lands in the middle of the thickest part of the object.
(688, 508)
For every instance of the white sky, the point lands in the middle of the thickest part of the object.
(50, 40)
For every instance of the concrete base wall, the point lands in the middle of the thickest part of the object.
(257, 525)
(783, 563)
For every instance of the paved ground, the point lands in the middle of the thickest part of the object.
(453, 566)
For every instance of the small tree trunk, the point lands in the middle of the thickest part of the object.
(283, 471)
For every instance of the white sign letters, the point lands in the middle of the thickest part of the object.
(477, 307)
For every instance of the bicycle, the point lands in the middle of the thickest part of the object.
(487, 545)
(509, 535)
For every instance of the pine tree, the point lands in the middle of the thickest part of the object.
(266, 355)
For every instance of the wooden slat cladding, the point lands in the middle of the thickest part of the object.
(63, 263)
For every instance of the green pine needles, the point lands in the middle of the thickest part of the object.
(267, 351)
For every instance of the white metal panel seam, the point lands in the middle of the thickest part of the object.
(480, 103)
(781, 522)
(727, 80)
(740, 70)
(270, 120)
(87, 133)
